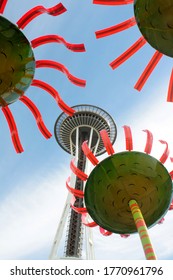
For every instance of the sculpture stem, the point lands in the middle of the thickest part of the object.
(142, 230)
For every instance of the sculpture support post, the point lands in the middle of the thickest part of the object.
(142, 230)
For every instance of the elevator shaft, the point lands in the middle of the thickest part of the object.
(74, 240)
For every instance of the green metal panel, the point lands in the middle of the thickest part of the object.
(17, 63)
(120, 178)
(155, 21)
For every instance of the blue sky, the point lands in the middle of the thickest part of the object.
(32, 189)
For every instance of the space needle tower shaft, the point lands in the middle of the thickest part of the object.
(70, 133)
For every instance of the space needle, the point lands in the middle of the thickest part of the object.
(70, 133)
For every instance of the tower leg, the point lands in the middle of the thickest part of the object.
(142, 230)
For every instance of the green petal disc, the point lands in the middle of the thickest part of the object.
(155, 21)
(17, 62)
(122, 177)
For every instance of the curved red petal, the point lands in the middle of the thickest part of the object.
(79, 210)
(128, 138)
(165, 153)
(161, 221)
(171, 206)
(46, 133)
(63, 69)
(113, 2)
(57, 39)
(149, 142)
(84, 221)
(38, 10)
(75, 192)
(107, 143)
(79, 173)
(148, 70)
(128, 53)
(13, 129)
(116, 28)
(170, 89)
(105, 232)
(53, 92)
(88, 153)
(3, 4)
(124, 235)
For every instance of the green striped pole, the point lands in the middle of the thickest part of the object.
(142, 230)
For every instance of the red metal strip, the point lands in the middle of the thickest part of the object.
(116, 28)
(128, 138)
(79, 173)
(107, 143)
(149, 142)
(75, 192)
(36, 113)
(161, 221)
(170, 89)
(38, 83)
(124, 235)
(63, 69)
(79, 210)
(165, 153)
(171, 206)
(148, 70)
(88, 153)
(91, 224)
(113, 2)
(38, 10)
(128, 53)
(3, 4)
(105, 232)
(13, 129)
(57, 39)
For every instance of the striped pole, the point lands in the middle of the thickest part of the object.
(142, 230)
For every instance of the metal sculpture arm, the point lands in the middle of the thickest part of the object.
(170, 89)
(46, 133)
(116, 28)
(79, 210)
(63, 69)
(57, 39)
(128, 53)
(86, 223)
(113, 2)
(148, 70)
(88, 153)
(104, 232)
(149, 142)
(165, 154)
(128, 138)
(38, 10)
(3, 4)
(75, 192)
(79, 173)
(54, 94)
(13, 129)
(107, 143)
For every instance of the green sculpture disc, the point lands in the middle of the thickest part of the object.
(122, 177)
(17, 63)
(155, 21)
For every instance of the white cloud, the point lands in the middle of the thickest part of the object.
(29, 215)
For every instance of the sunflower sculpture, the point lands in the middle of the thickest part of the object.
(18, 66)
(155, 22)
(127, 192)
